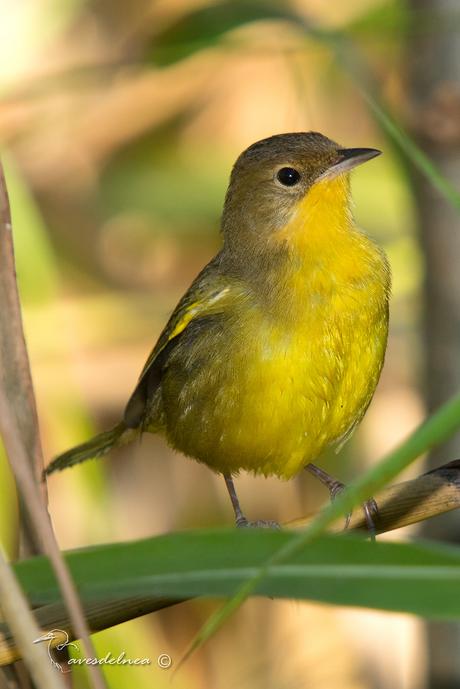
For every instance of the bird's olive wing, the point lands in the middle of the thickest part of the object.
(200, 303)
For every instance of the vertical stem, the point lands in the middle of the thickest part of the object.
(434, 69)
(20, 432)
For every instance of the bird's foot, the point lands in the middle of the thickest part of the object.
(370, 509)
(243, 523)
(371, 512)
(335, 487)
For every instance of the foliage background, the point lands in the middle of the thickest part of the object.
(119, 123)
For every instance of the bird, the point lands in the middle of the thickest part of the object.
(274, 352)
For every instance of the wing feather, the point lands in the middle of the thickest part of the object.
(204, 298)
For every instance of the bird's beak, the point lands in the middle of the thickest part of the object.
(347, 159)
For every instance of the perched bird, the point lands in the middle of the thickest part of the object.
(274, 352)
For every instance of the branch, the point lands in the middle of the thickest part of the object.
(21, 437)
(404, 503)
(427, 496)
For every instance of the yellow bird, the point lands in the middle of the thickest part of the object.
(274, 352)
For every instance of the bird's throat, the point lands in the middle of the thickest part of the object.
(325, 253)
(321, 221)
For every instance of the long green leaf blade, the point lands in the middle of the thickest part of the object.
(433, 431)
(344, 570)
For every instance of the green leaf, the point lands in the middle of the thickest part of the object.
(433, 431)
(204, 27)
(344, 570)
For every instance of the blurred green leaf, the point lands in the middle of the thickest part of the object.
(9, 508)
(397, 19)
(344, 570)
(35, 261)
(204, 27)
(151, 174)
(388, 20)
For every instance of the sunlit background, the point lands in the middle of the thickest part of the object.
(119, 123)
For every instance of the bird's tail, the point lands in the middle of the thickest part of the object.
(96, 447)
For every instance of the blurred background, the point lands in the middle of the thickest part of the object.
(119, 123)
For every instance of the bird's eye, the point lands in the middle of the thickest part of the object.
(288, 176)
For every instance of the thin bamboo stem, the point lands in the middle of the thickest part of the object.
(20, 432)
(25, 628)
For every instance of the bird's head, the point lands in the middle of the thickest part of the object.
(285, 177)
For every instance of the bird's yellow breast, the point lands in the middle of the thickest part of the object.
(296, 375)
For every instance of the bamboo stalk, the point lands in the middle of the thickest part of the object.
(399, 505)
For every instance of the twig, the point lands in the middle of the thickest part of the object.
(19, 426)
(15, 376)
(404, 503)
(407, 503)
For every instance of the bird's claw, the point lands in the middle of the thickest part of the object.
(370, 508)
(371, 512)
(335, 488)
